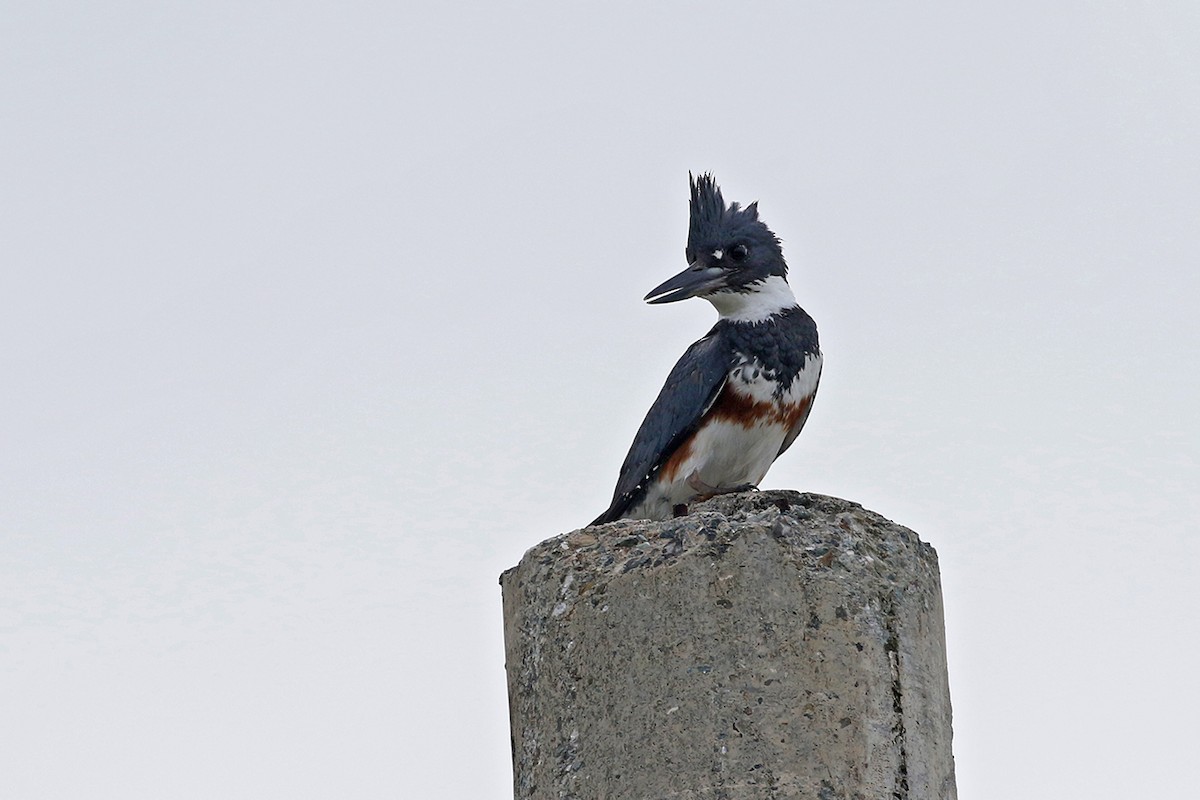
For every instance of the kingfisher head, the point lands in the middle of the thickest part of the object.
(730, 252)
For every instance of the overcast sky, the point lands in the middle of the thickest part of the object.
(313, 317)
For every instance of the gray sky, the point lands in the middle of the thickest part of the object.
(314, 317)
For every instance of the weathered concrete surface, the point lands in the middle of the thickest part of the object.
(769, 645)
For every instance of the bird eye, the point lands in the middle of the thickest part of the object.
(739, 252)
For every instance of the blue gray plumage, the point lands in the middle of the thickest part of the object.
(738, 397)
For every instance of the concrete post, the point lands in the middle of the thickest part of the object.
(769, 645)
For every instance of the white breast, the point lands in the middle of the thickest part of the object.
(737, 444)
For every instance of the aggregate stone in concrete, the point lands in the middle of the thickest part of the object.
(768, 645)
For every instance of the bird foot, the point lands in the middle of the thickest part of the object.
(706, 492)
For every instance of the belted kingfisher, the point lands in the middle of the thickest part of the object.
(738, 397)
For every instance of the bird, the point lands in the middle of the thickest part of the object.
(738, 397)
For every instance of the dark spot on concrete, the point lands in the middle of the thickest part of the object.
(634, 563)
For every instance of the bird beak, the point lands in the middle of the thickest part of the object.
(697, 279)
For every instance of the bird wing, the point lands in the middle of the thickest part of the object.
(689, 392)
